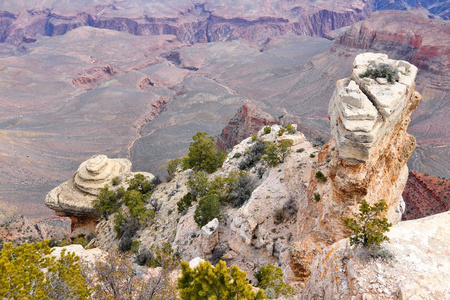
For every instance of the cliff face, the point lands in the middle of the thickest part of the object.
(249, 119)
(425, 195)
(366, 158)
(404, 35)
(205, 21)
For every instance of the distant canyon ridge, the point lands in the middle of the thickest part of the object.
(136, 80)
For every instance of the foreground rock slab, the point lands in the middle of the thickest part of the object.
(414, 265)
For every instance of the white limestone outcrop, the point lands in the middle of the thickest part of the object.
(364, 110)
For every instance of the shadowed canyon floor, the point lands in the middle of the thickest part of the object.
(91, 90)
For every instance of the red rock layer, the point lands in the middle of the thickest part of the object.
(425, 196)
(249, 119)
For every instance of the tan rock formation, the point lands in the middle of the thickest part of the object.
(74, 197)
(415, 265)
(366, 159)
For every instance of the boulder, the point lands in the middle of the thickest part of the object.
(210, 236)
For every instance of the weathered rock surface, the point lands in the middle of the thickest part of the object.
(75, 196)
(248, 120)
(356, 169)
(415, 265)
(261, 230)
(210, 236)
(363, 110)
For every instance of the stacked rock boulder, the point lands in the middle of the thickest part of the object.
(74, 198)
(365, 159)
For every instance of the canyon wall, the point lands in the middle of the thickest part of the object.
(204, 21)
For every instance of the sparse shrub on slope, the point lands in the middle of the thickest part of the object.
(219, 282)
(367, 227)
(207, 209)
(270, 278)
(275, 153)
(118, 279)
(185, 202)
(253, 156)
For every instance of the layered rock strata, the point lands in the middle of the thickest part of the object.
(74, 198)
(76, 194)
(249, 119)
(366, 158)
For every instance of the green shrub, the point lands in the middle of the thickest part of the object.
(198, 184)
(300, 150)
(317, 197)
(320, 177)
(30, 272)
(116, 181)
(254, 137)
(278, 217)
(81, 240)
(207, 209)
(119, 222)
(107, 202)
(219, 282)
(381, 71)
(312, 155)
(290, 128)
(267, 129)
(237, 155)
(254, 155)
(173, 165)
(276, 153)
(281, 131)
(185, 202)
(270, 278)
(140, 184)
(203, 154)
(134, 248)
(368, 228)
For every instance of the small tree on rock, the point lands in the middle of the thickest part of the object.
(203, 154)
(368, 228)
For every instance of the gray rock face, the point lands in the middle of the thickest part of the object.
(364, 110)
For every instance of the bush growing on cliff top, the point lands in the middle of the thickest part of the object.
(276, 153)
(381, 71)
(203, 154)
(368, 228)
